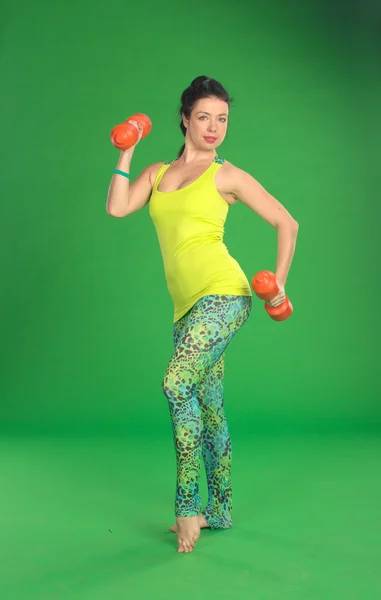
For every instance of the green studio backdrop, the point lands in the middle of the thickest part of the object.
(86, 450)
(86, 317)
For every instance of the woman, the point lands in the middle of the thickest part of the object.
(189, 200)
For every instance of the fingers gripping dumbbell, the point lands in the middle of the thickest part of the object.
(125, 135)
(266, 287)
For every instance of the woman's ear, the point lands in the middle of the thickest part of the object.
(185, 121)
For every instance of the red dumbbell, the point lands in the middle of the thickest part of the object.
(266, 287)
(125, 135)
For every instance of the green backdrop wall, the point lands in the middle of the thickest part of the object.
(86, 319)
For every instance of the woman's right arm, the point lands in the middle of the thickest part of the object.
(125, 198)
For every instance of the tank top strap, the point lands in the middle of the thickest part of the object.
(209, 173)
(217, 163)
(214, 167)
(160, 174)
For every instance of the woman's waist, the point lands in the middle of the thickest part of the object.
(195, 253)
(186, 279)
(201, 262)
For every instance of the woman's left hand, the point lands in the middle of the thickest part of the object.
(278, 299)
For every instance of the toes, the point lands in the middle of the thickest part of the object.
(185, 545)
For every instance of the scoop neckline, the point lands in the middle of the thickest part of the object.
(190, 184)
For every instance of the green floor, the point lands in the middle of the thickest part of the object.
(88, 518)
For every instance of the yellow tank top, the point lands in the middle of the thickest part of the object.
(189, 223)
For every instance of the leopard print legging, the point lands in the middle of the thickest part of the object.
(193, 384)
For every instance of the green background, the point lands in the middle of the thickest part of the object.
(86, 327)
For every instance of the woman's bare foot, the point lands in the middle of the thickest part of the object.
(201, 521)
(188, 532)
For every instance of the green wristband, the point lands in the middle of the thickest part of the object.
(122, 173)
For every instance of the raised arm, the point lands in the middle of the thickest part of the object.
(124, 198)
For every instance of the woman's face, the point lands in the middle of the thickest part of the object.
(208, 123)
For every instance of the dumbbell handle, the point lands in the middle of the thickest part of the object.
(266, 286)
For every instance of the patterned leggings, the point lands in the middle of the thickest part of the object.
(193, 384)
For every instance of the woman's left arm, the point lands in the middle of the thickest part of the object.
(249, 191)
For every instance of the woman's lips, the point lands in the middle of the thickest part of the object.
(210, 140)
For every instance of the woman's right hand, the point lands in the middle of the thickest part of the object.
(139, 127)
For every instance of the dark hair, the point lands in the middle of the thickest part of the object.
(201, 87)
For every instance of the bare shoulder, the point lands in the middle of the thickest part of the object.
(153, 170)
(140, 190)
(227, 177)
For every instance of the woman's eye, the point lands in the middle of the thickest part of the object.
(204, 117)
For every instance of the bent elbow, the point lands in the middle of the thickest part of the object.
(115, 215)
(290, 223)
